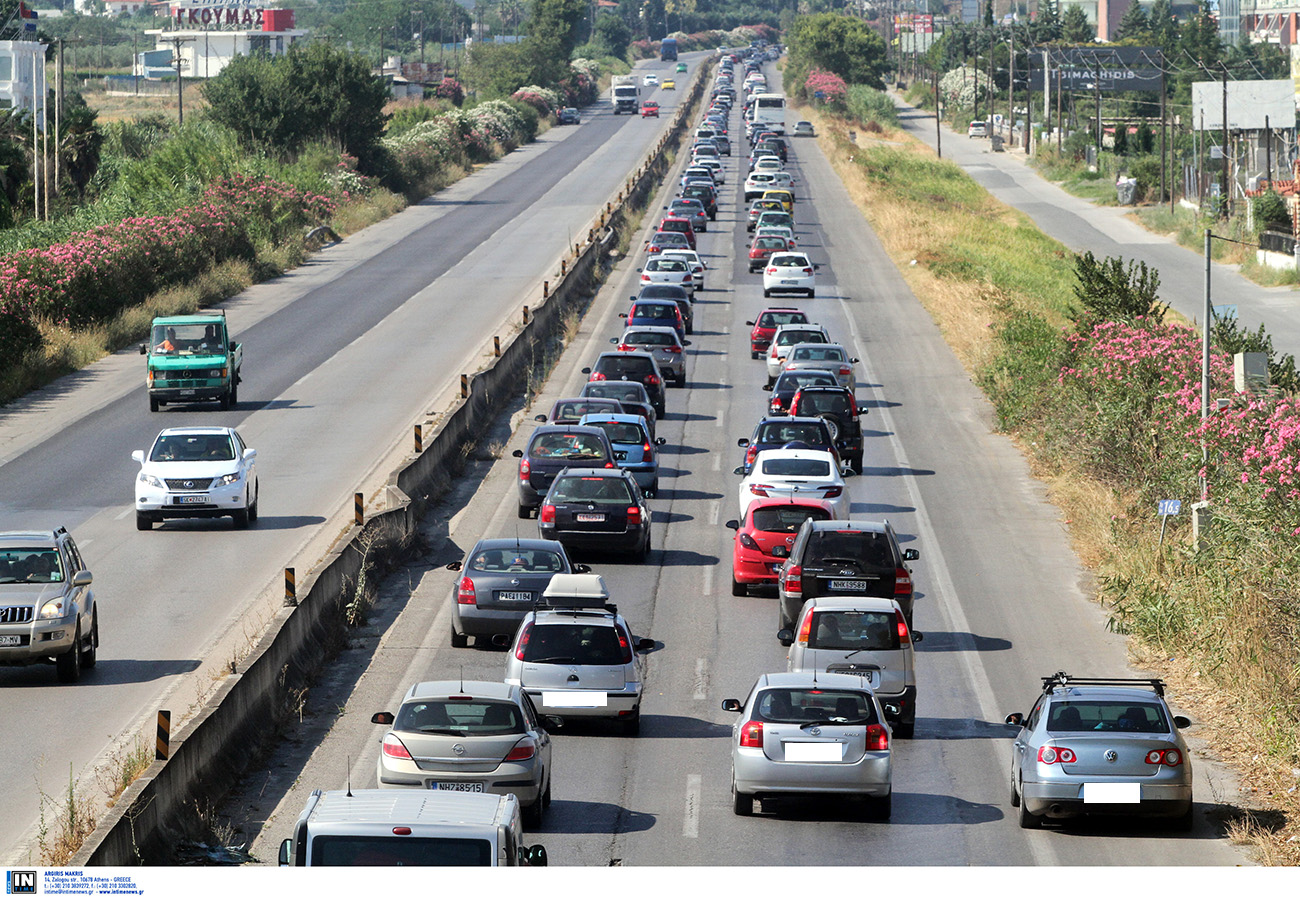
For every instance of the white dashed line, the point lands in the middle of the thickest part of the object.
(701, 679)
(691, 824)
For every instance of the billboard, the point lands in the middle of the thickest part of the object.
(1091, 68)
(1249, 103)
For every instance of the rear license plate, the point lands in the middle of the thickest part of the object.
(591, 518)
(620, 456)
(456, 786)
(11, 641)
(814, 751)
(847, 585)
(191, 499)
(514, 596)
(788, 283)
(1112, 792)
(574, 699)
(187, 392)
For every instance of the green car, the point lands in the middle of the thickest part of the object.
(681, 66)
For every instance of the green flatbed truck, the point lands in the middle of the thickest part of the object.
(191, 358)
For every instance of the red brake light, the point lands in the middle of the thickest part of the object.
(624, 347)
(1170, 757)
(902, 582)
(676, 350)
(647, 452)
(645, 277)
(393, 747)
(687, 278)
(832, 491)
(523, 641)
(465, 594)
(633, 515)
(776, 404)
(748, 541)
(624, 644)
(752, 453)
(759, 489)
(524, 468)
(525, 750)
(652, 380)
(1049, 754)
(609, 465)
(807, 270)
(877, 737)
(805, 631)
(751, 734)
(546, 514)
(596, 375)
(794, 579)
(904, 636)
(845, 370)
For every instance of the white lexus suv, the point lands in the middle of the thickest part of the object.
(196, 472)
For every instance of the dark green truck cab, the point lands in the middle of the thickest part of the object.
(192, 359)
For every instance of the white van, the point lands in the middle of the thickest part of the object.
(769, 112)
(374, 827)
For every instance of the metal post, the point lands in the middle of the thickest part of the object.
(1227, 195)
(1268, 153)
(358, 508)
(419, 439)
(938, 121)
(1205, 359)
(162, 741)
(1164, 156)
(290, 588)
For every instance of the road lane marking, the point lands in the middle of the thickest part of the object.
(118, 517)
(691, 824)
(701, 679)
(714, 510)
(717, 461)
(708, 580)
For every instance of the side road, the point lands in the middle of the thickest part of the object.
(1108, 231)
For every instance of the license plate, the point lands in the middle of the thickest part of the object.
(575, 699)
(10, 641)
(620, 456)
(788, 283)
(191, 499)
(514, 596)
(1112, 792)
(814, 751)
(456, 786)
(847, 585)
(187, 392)
(591, 518)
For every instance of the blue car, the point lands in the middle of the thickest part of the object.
(634, 447)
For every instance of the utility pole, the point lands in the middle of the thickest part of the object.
(938, 118)
(1097, 85)
(1011, 84)
(1060, 125)
(180, 78)
(1227, 194)
(1164, 158)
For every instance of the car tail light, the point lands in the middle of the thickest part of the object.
(596, 375)
(633, 515)
(523, 642)
(776, 405)
(794, 579)
(1169, 757)
(748, 541)
(624, 347)
(832, 491)
(609, 465)
(904, 635)
(524, 750)
(773, 352)
(465, 594)
(393, 747)
(771, 270)
(524, 469)
(902, 581)
(624, 644)
(676, 350)
(751, 454)
(845, 370)
(751, 734)
(805, 631)
(687, 278)
(1050, 754)
(652, 380)
(807, 270)
(759, 489)
(877, 737)
(546, 514)
(647, 452)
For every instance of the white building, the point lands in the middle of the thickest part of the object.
(22, 76)
(207, 34)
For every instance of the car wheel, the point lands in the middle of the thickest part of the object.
(644, 554)
(1015, 795)
(224, 402)
(525, 512)
(654, 486)
(546, 795)
(856, 465)
(241, 518)
(533, 813)
(753, 354)
(1027, 819)
(741, 804)
(812, 294)
(1184, 821)
(631, 725)
(739, 589)
(91, 654)
(459, 639)
(143, 522)
(68, 663)
(234, 395)
(252, 509)
(767, 294)
(153, 404)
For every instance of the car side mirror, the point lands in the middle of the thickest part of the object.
(910, 554)
(739, 470)
(785, 637)
(535, 855)
(863, 409)
(383, 717)
(661, 440)
(82, 578)
(621, 314)
(645, 644)
(817, 267)
(517, 453)
(749, 323)
(138, 456)
(614, 340)
(732, 524)
(685, 343)
(731, 705)
(1181, 722)
(144, 350)
(501, 640)
(540, 418)
(742, 442)
(588, 370)
(767, 387)
(780, 551)
(853, 361)
(456, 566)
(918, 636)
(1015, 719)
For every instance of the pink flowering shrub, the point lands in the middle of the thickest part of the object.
(450, 89)
(829, 84)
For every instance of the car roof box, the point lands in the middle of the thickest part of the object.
(582, 590)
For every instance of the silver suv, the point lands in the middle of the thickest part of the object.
(48, 613)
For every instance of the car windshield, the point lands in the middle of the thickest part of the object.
(816, 353)
(666, 265)
(187, 339)
(778, 318)
(808, 705)
(567, 445)
(814, 403)
(794, 337)
(796, 467)
(785, 518)
(1106, 716)
(853, 630)
(576, 644)
(30, 565)
(517, 560)
(620, 433)
(460, 717)
(193, 447)
(864, 548)
(781, 433)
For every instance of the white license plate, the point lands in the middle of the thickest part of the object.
(1112, 792)
(591, 518)
(187, 392)
(847, 585)
(575, 699)
(788, 283)
(10, 641)
(456, 786)
(814, 751)
(514, 596)
(191, 499)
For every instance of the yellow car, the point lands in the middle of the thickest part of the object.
(669, 84)
(785, 197)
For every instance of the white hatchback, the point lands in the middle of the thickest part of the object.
(196, 472)
(795, 473)
(693, 260)
(715, 166)
(675, 271)
(789, 272)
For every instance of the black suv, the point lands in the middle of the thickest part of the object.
(844, 557)
(551, 449)
(635, 366)
(837, 405)
(705, 194)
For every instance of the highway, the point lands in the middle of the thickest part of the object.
(1001, 600)
(342, 356)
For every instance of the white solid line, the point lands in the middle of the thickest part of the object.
(691, 824)
(701, 679)
(118, 517)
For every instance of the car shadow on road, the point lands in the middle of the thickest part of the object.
(669, 517)
(269, 405)
(961, 641)
(700, 384)
(665, 726)
(933, 728)
(879, 403)
(287, 522)
(674, 494)
(866, 433)
(866, 507)
(681, 557)
(896, 472)
(674, 415)
(908, 809)
(106, 672)
(671, 449)
(587, 817)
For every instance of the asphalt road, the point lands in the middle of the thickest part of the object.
(1001, 602)
(342, 356)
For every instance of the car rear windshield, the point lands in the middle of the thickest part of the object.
(666, 264)
(796, 467)
(794, 380)
(571, 446)
(778, 318)
(793, 337)
(817, 353)
(805, 705)
(1106, 716)
(781, 433)
(193, 447)
(853, 630)
(622, 392)
(663, 291)
(654, 312)
(594, 490)
(621, 433)
(649, 339)
(573, 411)
(458, 716)
(785, 518)
(811, 404)
(387, 850)
(790, 261)
(863, 548)
(770, 243)
(634, 365)
(30, 565)
(575, 643)
(517, 560)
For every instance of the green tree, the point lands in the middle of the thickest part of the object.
(613, 35)
(553, 32)
(1109, 291)
(1047, 27)
(1134, 24)
(1199, 39)
(80, 143)
(834, 43)
(498, 70)
(316, 92)
(1075, 28)
(988, 13)
(1163, 27)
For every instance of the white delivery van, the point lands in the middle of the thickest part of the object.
(769, 112)
(374, 827)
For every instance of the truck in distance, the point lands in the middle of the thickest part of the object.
(191, 358)
(624, 94)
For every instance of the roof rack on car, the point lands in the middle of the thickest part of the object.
(1062, 679)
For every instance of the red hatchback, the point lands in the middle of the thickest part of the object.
(681, 226)
(761, 250)
(765, 327)
(650, 110)
(764, 536)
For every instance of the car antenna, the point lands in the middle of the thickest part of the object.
(462, 678)
(349, 776)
